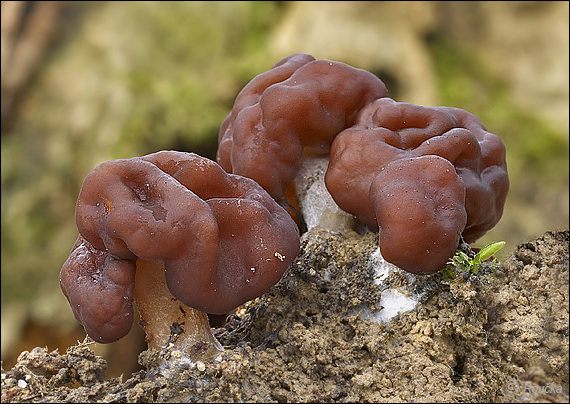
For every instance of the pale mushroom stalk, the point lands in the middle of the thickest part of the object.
(171, 228)
(167, 322)
(316, 203)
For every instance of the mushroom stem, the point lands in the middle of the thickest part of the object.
(167, 322)
(317, 205)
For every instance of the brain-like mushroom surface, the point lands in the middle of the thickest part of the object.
(100, 289)
(378, 172)
(296, 107)
(222, 238)
(419, 203)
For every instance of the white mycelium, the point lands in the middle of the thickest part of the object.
(319, 209)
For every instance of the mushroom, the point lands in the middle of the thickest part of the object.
(379, 171)
(295, 108)
(339, 120)
(183, 238)
(419, 205)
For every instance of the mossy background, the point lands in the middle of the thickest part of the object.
(124, 79)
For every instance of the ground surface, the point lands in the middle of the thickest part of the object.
(501, 336)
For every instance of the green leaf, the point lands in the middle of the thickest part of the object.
(475, 268)
(449, 273)
(461, 258)
(488, 251)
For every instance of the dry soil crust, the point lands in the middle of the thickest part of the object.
(500, 336)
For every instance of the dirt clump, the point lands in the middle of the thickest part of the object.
(498, 336)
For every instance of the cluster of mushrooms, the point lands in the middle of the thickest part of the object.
(183, 236)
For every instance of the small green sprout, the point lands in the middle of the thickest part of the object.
(462, 263)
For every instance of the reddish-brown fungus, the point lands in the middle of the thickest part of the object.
(306, 107)
(296, 107)
(419, 205)
(222, 240)
(388, 132)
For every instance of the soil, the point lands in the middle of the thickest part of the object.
(498, 336)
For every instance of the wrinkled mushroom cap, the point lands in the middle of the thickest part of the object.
(99, 288)
(420, 212)
(222, 238)
(296, 107)
(387, 132)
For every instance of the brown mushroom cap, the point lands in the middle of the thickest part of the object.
(387, 131)
(222, 238)
(99, 288)
(298, 106)
(419, 205)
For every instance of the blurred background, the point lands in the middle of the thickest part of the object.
(87, 82)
